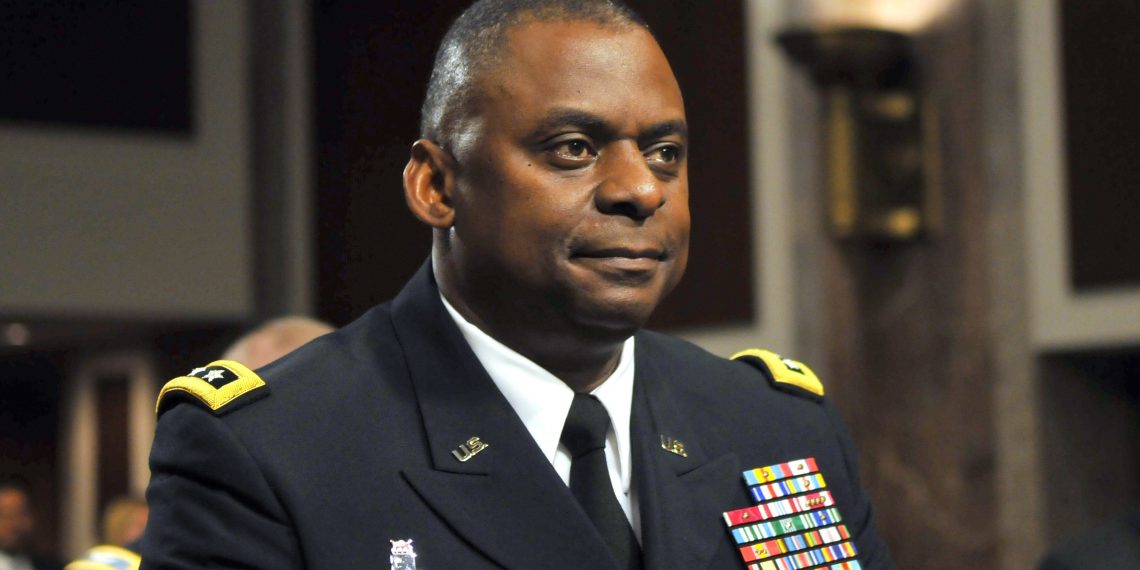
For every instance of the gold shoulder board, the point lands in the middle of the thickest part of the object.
(782, 371)
(217, 385)
(107, 557)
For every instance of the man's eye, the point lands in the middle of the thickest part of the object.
(572, 153)
(574, 149)
(664, 155)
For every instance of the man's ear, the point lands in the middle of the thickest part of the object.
(429, 179)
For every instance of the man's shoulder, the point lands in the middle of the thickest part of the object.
(744, 373)
(356, 349)
(323, 372)
(759, 406)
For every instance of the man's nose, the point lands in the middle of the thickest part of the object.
(630, 187)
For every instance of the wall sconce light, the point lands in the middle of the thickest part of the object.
(880, 136)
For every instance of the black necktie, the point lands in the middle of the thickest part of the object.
(584, 435)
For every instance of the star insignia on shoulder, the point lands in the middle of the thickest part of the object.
(217, 385)
(217, 375)
(784, 373)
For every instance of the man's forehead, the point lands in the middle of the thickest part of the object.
(564, 64)
(575, 39)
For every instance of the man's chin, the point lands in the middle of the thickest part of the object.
(617, 320)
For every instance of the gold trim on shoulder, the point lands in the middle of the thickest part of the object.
(214, 398)
(785, 370)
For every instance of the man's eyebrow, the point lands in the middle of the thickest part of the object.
(565, 117)
(559, 118)
(664, 129)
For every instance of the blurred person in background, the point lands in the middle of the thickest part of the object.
(17, 524)
(124, 519)
(275, 339)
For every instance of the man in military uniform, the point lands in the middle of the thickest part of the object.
(506, 410)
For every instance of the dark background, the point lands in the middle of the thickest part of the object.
(80, 64)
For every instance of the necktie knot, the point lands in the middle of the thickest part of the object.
(586, 426)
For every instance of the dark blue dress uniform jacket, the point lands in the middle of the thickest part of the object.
(351, 448)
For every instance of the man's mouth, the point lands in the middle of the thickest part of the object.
(621, 259)
(623, 252)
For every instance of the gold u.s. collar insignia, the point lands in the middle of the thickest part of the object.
(783, 370)
(470, 449)
(215, 385)
(674, 446)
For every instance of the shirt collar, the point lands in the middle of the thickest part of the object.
(542, 401)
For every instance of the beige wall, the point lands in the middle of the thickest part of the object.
(121, 225)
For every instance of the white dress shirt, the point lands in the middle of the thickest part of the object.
(542, 401)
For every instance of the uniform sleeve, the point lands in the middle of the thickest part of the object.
(873, 553)
(210, 504)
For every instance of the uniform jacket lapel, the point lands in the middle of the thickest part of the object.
(505, 500)
(681, 498)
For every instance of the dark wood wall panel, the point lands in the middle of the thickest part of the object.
(1091, 423)
(372, 65)
(908, 343)
(112, 477)
(1102, 140)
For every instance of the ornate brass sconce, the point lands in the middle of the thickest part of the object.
(881, 135)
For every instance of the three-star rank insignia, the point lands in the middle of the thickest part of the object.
(785, 374)
(794, 524)
(217, 385)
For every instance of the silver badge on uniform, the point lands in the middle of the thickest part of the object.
(403, 555)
